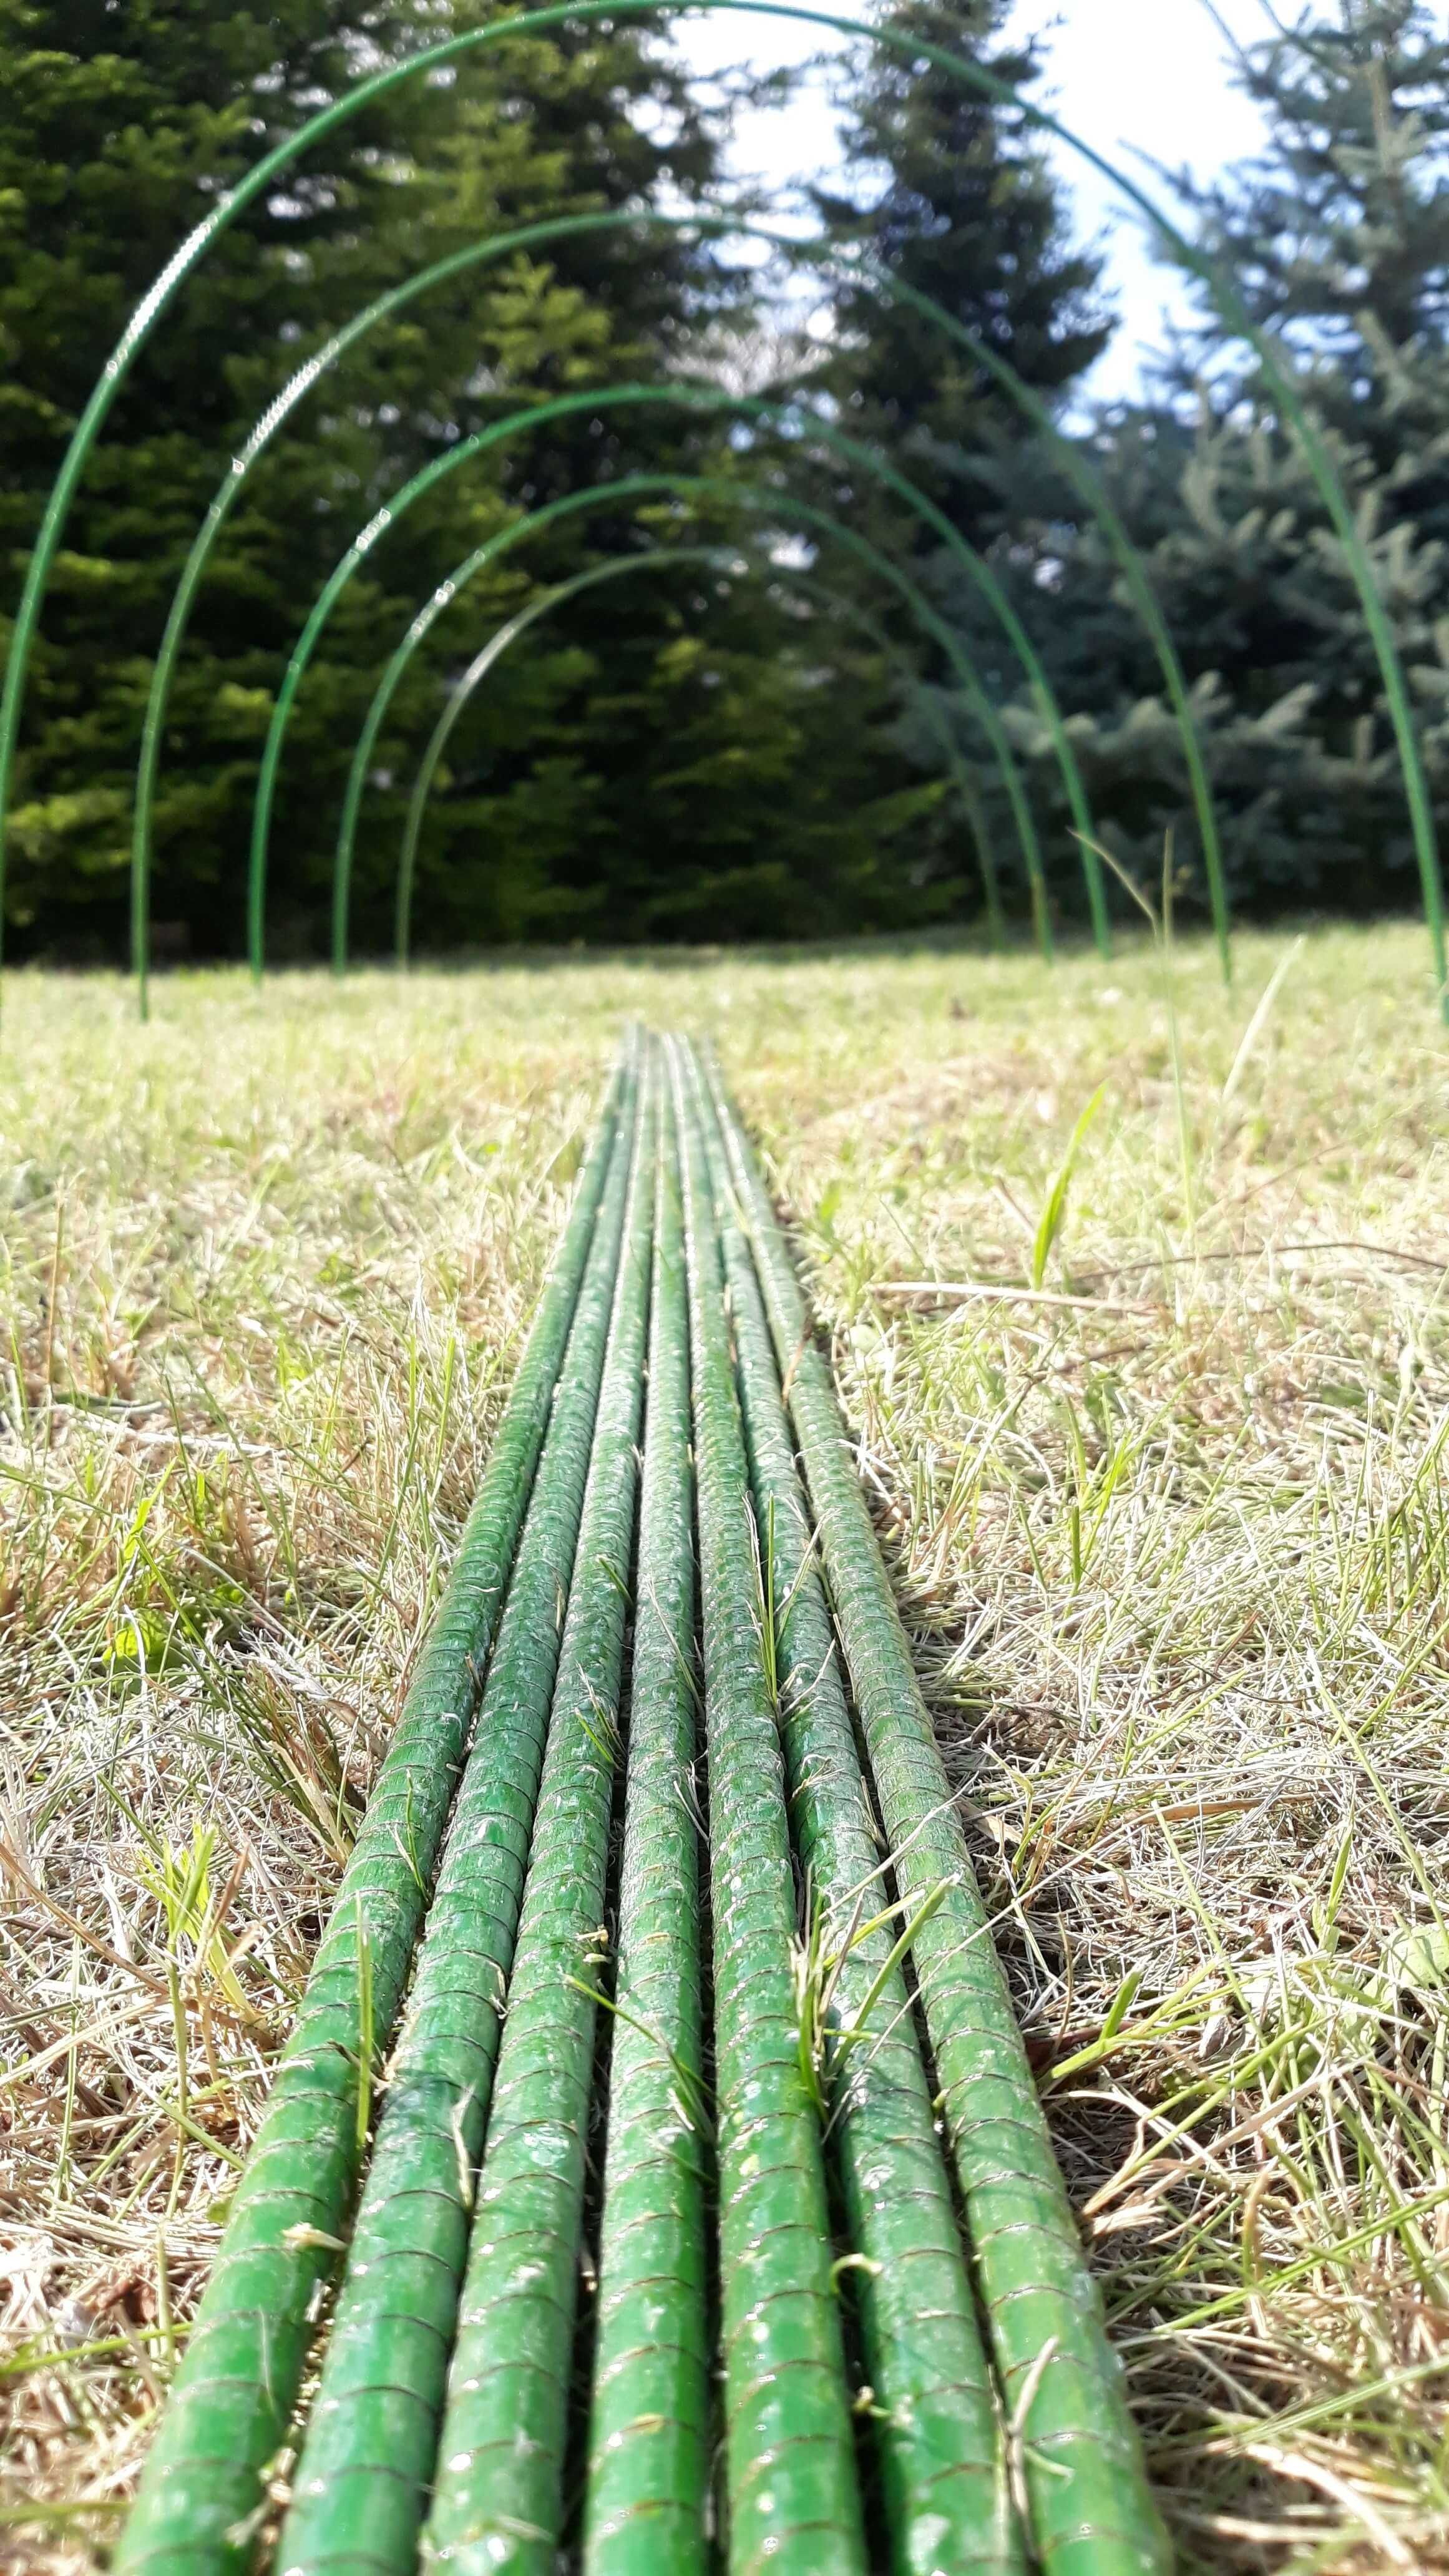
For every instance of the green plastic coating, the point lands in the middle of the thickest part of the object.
(780, 504)
(908, 46)
(657, 559)
(661, 559)
(1091, 2512)
(1081, 474)
(498, 2494)
(690, 398)
(979, 824)
(363, 2482)
(938, 2426)
(649, 2423)
(231, 2403)
(793, 2503)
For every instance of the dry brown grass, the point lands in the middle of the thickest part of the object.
(1178, 1555)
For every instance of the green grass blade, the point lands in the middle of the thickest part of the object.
(1053, 1215)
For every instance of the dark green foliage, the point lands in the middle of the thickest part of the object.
(951, 193)
(674, 765)
(742, 709)
(708, 755)
(116, 128)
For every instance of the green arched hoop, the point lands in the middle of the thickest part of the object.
(906, 45)
(709, 402)
(658, 559)
(1075, 466)
(780, 502)
(713, 487)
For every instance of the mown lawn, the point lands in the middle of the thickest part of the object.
(1164, 1485)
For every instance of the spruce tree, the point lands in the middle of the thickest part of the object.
(949, 190)
(951, 194)
(1337, 237)
(740, 773)
(117, 128)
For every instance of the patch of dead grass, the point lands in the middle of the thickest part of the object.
(1176, 1554)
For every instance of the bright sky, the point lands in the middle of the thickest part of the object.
(1149, 74)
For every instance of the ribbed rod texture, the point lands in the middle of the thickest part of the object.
(769, 1768)
(1080, 2464)
(229, 2411)
(498, 2494)
(649, 2425)
(935, 2413)
(365, 2475)
(793, 2503)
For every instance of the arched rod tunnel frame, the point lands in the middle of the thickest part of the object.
(761, 496)
(656, 559)
(820, 253)
(907, 46)
(781, 503)
(708, 402)
(676, 483)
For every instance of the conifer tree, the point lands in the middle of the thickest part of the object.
(950, 191)
(1337, 237)
(734, 778)
(117, 128)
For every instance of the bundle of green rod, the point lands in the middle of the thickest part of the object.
(654, 2181)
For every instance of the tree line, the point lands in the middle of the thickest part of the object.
(748, 745)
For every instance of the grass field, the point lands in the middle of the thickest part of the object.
(1163, 1474)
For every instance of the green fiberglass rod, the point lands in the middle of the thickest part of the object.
(936, 2420)
(231, 2403)
(907, 46)
(656, 559)
(366, 2472)
(709, 403)
(1067, 452)
(794, 2508)
(1089, 2508)
(769, 497)
(649, 2420)
(498, 2497)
